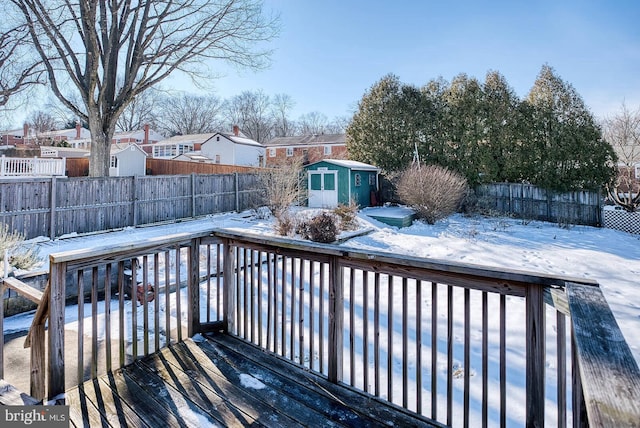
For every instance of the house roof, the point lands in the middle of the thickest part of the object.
(238, 139)
(307, 140)
(194, 156)
(351, 164)
(188, 138)
(119, 148)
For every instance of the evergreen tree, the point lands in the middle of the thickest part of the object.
(502, 121)
(566, 149)
(387, 126)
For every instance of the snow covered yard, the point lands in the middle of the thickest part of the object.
(610, 257)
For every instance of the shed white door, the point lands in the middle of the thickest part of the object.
(323, 189)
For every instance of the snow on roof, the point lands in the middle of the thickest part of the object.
(351, 164)
(188, 138)
(239, 139)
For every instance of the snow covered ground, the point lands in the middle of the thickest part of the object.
(610, 257)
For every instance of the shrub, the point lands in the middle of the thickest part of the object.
(321, 228)
(285, 223)
(19, 256)
(434, 192)
(348, 215)
(282, 185)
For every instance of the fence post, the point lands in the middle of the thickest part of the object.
(193, 289)
(535, 354)
(56, 380)
(52, 212)
(237, 190)
(336, 320)
(134, 208)
(193, 194)
(229, 304)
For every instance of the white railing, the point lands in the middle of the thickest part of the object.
(16, 167)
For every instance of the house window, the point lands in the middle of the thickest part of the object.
(327, 150)
(289, 151)
(638, 171)
(114, 162)
(272, 152)
(358, 179)
(218, 138)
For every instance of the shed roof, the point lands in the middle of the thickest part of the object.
(351, 164)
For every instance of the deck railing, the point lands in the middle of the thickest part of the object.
(460, 344)
(31, 166)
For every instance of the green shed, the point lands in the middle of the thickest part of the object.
(333, 181)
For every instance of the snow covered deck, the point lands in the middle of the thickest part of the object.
(221, 381)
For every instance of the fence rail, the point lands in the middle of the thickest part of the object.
(402, 329)
(19, 167)
(54, 206)
(531, 202)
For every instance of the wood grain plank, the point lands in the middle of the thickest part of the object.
(232, 404)
(371, 410)
(609, 374)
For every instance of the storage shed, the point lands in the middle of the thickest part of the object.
(334, 181)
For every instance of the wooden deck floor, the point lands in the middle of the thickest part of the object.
(222, 381)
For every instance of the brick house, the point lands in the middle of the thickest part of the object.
(311, 148)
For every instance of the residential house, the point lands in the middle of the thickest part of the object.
(142, 137)
(311, 148)
(175, 146)
(233, 149)
(28, 137)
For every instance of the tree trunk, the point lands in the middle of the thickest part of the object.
(101, 134)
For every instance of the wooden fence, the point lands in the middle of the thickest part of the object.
(55, 206)
(531, 202)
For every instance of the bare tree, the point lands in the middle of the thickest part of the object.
(338, 125)
(281, 107)
(142, 110)
(313, 123)
(90, 46)
(251, 111)
(41, 121)
(189, 114)
(622, 131)
(18, 71)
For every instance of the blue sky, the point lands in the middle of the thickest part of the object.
(330, 52)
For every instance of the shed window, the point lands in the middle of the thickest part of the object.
(358, 179)
(372, 179)
(114, 162)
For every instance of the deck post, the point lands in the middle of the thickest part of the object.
(229, 308)
(37, 382)
(336, 320)
(2, 289)
(193, 289)
(535, 352)
(56, 380)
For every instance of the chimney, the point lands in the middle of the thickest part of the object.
(146, 134)
(25, 130)
(78, 128)
(236, 130)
